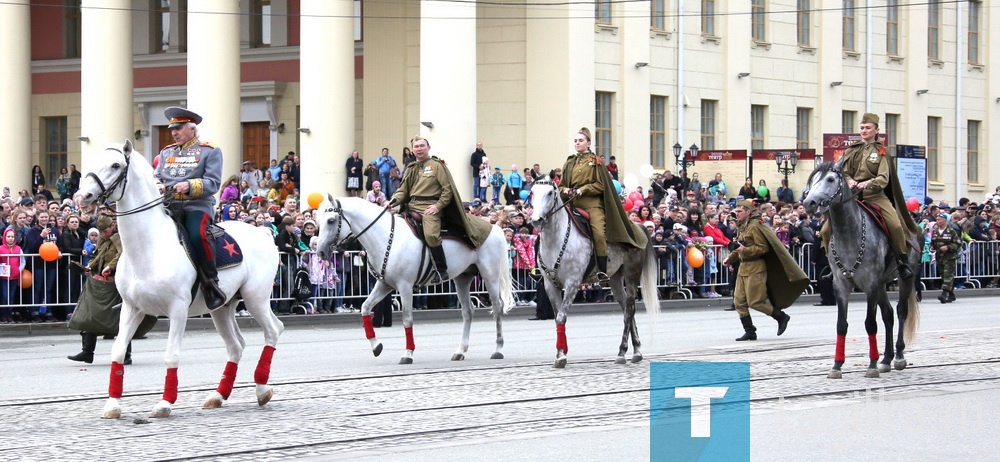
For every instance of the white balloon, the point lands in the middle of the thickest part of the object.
(631, 181)
(646, 170)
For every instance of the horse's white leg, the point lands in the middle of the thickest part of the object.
(129, 322)
(172, 358)
(225, 323)
(491, 281)
(562, 346)
(260, 308)
(378, 292)
(465, 301)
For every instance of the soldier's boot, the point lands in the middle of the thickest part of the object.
(440, 264)
(128, 355)
(749, 331)
(951, 295)
(602, 269)
(943, 298)
(782, 318)
(905, 272)
(86, 355)
(214, 296)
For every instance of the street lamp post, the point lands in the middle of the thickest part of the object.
(685, 159)
(784, 160)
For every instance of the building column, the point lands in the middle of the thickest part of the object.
(736, 109)
(634, 118)
(448, 100)
(831, 69)
(15, 79)
(914, 120)
(327, 109)
(106, 77)
(213, 76)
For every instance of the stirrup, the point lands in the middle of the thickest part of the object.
(905, 272)
(602, 276)
(826, 274)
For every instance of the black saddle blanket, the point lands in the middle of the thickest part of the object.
(226, 250)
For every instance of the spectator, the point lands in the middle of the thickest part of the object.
(613, 168)
(89, 246)
(376, 196)
(658, 190)
(476, 162)
(748, 191)
(37, 177)
(230, 190)
(354, 169)
(74, 180)
(274, 170)
(62, 185)
(524, 263)
(785, 193)
(71, 242)
(672, 182)
(11, 264)
(43, 272)
(386, 164)
(695, 186)
(482, 180)
(251, 176)
(408, 156)
(719, 185)
(514, 183)
(496, 181)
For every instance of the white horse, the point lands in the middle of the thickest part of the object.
(155, 277)
(401, 261)
(564, 255)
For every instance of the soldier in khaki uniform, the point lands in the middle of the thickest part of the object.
(946, 241)
(869, 169)
(752, 244)
(588, 183)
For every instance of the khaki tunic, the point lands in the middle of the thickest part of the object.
(106, 255)
(429, 184)
(751, 281)
(584, 176)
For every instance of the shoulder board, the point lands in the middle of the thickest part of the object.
(170, 145)
(441, 161)
(206, 143)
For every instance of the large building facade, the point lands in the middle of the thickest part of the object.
(325, 77)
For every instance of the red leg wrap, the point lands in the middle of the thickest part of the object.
(117, 378)
(839, 354)
(228, 378)
(561, 338)
(170, 386)
(409, 338)
(873, 347)
(369, 330)
(263, 372)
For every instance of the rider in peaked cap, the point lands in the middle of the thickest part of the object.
(179, 116)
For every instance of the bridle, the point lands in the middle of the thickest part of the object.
(569, 227)
(351, 237)
(121, 181)
(848, 273)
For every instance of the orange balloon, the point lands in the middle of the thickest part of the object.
(314, 200)
(695, 257)
(49, 251)
(25, 279)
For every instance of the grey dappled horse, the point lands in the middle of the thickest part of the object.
(860, 257)
(564, 255)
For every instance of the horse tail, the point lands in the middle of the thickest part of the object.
(912, 318)
(650, 291)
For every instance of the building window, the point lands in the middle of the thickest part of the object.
(848, 19)
(802, 117)
(933, 29)
(975, 8)
(933, 130)
(892, 27)
(159, 26)
(891, 129)
(602, 126)
(757, 16)
(657, 131)
(74, 29)
(708, 17)
(708, 109)
(757, 126)
(602, 11)
(182, 26)
(972, 159)
(847, 122)
(54, 152)
(260, 23)
(657, 14)
(802, 26)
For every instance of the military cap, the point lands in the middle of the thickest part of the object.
(103, 223)
(745, 203)
(869, 118)
(179, 116)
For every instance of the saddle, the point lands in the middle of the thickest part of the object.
(416, 223)
(581, 221)
(225, 249)
(874, 211)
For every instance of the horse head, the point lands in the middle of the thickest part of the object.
(827, 186)
(333, 230)
(110, 176)
(545, 200)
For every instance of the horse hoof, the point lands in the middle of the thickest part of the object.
(161, 410)
(871, 373)
(620, 360)
(377, 350)
(112, 413)
(264, 394)
(899, 364)
(214, 401)
(636, 358)
(405, 360)
(458, 357)
(560, 363)
(835, 374)
(497, 355)
(883, 368)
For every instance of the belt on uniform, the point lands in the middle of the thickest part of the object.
(425, 198)
(745, 260)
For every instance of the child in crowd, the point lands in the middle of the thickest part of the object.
(11, 264)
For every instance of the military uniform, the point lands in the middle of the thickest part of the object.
(107, 252)
(949, 237)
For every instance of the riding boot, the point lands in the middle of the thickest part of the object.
(749, 331)
(128, 355)
(943, 298)
(89, 344)
(782, 318)
(214, 296)
(905, 272)
(440, 263)
(951, 295)
(602, 269)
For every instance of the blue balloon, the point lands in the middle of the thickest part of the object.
(524, 194)
(618, 186)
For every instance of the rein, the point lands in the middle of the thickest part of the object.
(864, 228)
(562, 250)
(122, 181)
(351, 237)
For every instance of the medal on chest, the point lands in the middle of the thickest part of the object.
(873, 157)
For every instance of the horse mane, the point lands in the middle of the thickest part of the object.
(821, 169)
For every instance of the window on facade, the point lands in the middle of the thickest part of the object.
(933, 29)
(892, 27)
(260, 23)
(847, 119)
(74, 29)
(972, 158)
(848, 22)
(657, 14)
(159, 26)
(708, 17)
(757, 15)
(182, 25)
(802, 117)
(708, 110)
(802, 26)
(54, 146)
(602, 127)
(891, 129)
(657, 130)
(975, 8)
(933, 131)
(602, 11)
(757, 126)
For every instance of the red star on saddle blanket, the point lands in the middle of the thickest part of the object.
(231, 248)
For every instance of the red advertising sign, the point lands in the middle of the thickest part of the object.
(834, 144)
(771, 154)
(721, 154)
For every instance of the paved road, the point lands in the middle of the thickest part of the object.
(335, 401)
